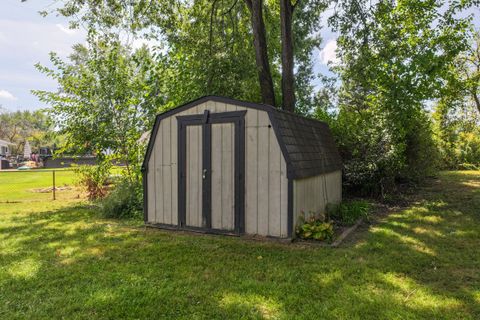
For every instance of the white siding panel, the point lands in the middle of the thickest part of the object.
(216, 177)
(223, 180)
(194, 176)
(283, 198)
(167, 173)
(263, 173)
(228, 178)
(313, 194)
(251, 171)
(174, 169)
(274, 187)
(151, 185)
(159, 179)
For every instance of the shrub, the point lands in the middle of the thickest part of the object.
(371, 155)
(314, 228)
(380, 148)
(423, 157)
(467, 148)
(348, 213)
(124, 201)
(94, 179)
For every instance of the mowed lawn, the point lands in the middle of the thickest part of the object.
(25, 185)
(60, 260)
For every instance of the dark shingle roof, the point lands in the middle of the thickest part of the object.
(308, 145)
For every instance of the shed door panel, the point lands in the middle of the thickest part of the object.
(211, 169)
(223, 176)
(194, 167)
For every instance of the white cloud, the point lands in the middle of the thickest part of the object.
(34, 40)
(65, 30)
(328, 54)
(4, 94)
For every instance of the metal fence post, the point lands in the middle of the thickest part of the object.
(53, 171)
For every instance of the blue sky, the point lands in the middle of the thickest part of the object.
(27, 38)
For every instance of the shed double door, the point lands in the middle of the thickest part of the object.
(211, 171)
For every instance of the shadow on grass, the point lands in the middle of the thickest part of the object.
(422, 262)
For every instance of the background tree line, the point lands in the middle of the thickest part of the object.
(21, 126)
(403, 103)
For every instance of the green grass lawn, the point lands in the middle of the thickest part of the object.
(24, 185)
(60, 260)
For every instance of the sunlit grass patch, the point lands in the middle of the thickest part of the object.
(471, 183)
(411, 293)
(325, 279)
(431, 219)
(248, 305)
(23, 269)
(476, 296)
(413, 242)
(428, 231)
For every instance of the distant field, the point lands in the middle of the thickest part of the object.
(25, 185)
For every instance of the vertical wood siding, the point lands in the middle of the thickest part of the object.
(266, 193)
(223, 179)
(311, 195)
(194, 181)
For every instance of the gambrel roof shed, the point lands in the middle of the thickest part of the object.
(223, 165)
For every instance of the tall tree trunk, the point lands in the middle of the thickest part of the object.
(288, 81)
(261, 53)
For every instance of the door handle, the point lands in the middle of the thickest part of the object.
(204, 175)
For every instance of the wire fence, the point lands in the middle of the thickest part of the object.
(39, 185)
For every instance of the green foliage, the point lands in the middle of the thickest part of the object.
(124, 201)
(457, 113)
(205, 47)
(394, 59)
(462, 151)
(94, 179)
(348, 212)
(34, 126)
(468, 148)
(374, 159)
(315, 228)
(107, 98)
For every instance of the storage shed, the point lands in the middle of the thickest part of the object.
(228, 166)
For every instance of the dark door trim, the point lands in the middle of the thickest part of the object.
(206, 120)
(207, 167)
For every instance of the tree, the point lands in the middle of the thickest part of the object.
(395, 57)
(464, 81)
(457, 112)
(20, 126)
(261, 52)
(107, 98)
(288, 80)
(287, 50)
(215, 47)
